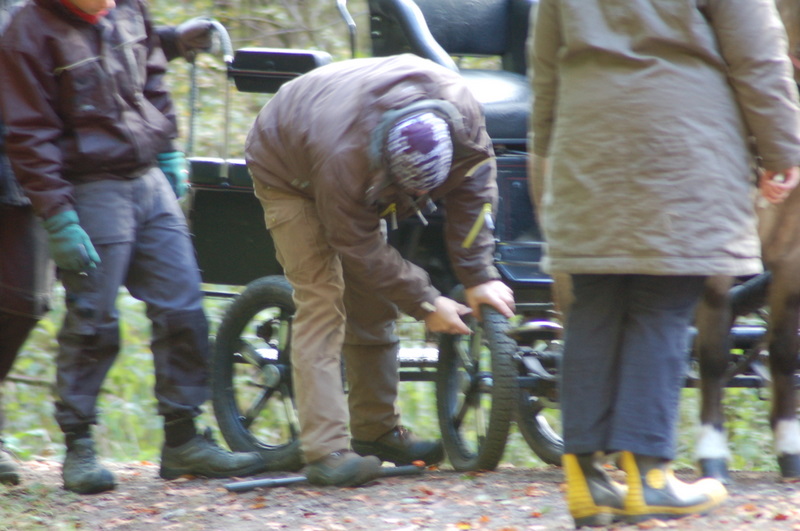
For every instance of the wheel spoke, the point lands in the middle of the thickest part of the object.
(480, 420)
(459, 417)
(291, 412)
(249, 354)
(255, 409)
(465, 357)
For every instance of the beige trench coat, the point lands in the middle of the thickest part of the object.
(651, 113)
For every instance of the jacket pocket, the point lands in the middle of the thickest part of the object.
(86, 91)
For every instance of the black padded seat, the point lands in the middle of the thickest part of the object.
(506, 100)
(443, 29)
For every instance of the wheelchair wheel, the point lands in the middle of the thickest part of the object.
(476, 392)
(251, 374)
(538, 417)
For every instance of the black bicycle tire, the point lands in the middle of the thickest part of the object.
(503, 393)
(260, 294)
(545, 442)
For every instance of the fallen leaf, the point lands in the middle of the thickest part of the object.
(424, 489)
(534, 490)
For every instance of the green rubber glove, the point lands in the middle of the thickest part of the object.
(70, 246)
(173, 164)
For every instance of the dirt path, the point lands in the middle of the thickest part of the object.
(507, 499)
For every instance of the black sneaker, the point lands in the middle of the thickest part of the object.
(202, 457)
(82, 473)
(9, 473)
(343, 469)
(401, 447)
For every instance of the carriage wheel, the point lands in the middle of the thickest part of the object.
(538, 411)
(251, 374)
(476, 392)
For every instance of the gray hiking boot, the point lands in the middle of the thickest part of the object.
(9, 473)
(202, 457)
(82, 473)
(401, 447)
(343, 469)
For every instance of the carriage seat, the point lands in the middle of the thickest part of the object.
(442, 30)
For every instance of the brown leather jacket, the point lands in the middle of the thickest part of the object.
(319, 137)
(81, 102)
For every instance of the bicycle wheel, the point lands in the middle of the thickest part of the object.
(251, 374)
(476, 392)
(538, 416)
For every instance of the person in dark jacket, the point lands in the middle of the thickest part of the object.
(26, 271)
(89, 125)
(337, 155)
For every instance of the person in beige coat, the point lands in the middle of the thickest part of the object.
(651, 117)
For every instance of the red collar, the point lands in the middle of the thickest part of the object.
(83, 15)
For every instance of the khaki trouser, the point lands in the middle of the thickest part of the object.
(330, 322)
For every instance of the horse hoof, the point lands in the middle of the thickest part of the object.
(716, 468)
(789, 465)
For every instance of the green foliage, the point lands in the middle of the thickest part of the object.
(219, 107)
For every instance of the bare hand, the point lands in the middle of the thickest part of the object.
(447, 317)
(494, 293)
(776, 186)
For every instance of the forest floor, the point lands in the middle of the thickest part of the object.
(506, 499)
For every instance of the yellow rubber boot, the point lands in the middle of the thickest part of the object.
(655, 492)
(593, 498)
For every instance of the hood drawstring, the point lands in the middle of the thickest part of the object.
(423, 202)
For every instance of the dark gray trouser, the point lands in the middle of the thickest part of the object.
(625, 357)
(143, 242)
(26, 279)
(14, 331)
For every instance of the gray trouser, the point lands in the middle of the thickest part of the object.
(625, 358)
(144, 245)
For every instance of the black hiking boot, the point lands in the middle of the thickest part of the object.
(202, 457)
(9, 472)
(82, 473)
(401, 447)
(343, 469)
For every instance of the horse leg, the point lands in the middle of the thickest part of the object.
(784, 303)
(712, 351)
